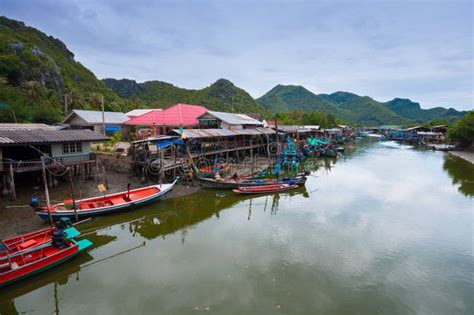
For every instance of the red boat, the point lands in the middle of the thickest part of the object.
(24, 264)
(265, 189)
(211, 170)
(106, 204)
(27, 242)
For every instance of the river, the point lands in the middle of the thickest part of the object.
(389, 230)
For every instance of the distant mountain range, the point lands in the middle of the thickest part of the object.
(353, 108)
(38, 73)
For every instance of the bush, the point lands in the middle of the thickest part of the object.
(462, 131)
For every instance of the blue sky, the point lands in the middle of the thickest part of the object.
(384, 49)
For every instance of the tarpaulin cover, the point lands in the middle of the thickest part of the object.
(112, 128)
(166, 143)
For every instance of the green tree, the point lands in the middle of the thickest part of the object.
(462, 131)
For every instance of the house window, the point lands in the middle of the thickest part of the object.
(73, 147)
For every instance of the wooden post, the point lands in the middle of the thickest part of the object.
(105, 178)
(174, 163)
(50, 180)
(12, 183)
(73, 197)
(46, 191)
(96, 175)
(103, 114)
(162, 168)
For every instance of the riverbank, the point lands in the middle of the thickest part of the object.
(465, 155)
(17, 217)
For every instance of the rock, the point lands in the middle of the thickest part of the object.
(17, 47)
(37, 52)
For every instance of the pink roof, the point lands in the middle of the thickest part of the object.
(176, 115)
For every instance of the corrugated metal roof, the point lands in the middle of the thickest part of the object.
(220, 132)
(10, 126)
(291, 128)
(139, 112)
(95, 117)
(176, 115)
(268, 131)
(12, 137)
(235, 119)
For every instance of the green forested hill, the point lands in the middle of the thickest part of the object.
(347, 107)
(353, 108)
(285, 98)
(222, 95)
(413, 111)
(37, 71)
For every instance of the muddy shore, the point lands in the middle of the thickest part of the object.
(465, 155)
(17, 217)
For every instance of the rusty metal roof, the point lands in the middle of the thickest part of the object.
(39, 136)
(219, 132)
(12, 126)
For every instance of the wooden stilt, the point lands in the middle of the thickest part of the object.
(50, 180)
(46, 191)
(12, 183)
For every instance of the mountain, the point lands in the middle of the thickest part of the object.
(37, 71)
(284, 98)
(411, 110)
(344, 106)
(222, 95)
(353, 108)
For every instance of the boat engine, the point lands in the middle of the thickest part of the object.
(59, 238)
(63, 223)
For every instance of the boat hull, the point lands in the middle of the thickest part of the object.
(42, 264)
(235, 184)
(166, 188)
(268, 189)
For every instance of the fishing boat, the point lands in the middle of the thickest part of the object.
(265, 189)
(234, 182)
(213, 169)
(105, 204)
(24, 264)
(30, 241)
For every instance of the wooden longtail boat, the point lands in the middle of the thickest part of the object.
(234, 183)
(107, 204)
(21, 244)
(265, 189)
(22, 265)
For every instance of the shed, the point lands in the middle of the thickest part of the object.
(232, 121)
(22, 147)
(89, 119)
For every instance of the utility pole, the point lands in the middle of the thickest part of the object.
(103, 114)
(46, 191)
(65, 105)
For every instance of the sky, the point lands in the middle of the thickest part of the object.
(422, 50)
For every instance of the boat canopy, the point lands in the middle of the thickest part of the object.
(316, 141)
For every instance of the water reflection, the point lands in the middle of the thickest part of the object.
(461, 173)
(59, 276)
(384, 232)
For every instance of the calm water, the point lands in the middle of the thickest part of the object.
(390, 230)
